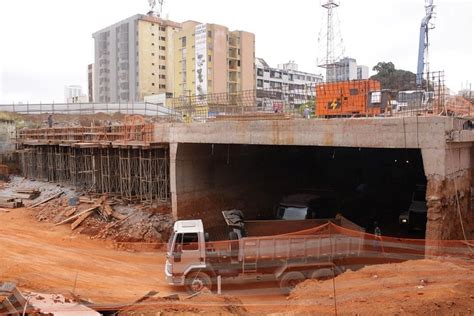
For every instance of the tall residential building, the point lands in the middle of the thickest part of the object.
(284, 83)
(71, 92)
(132, 59)
(211, 59)
(90, 82)
(346, 69)
(362, 72)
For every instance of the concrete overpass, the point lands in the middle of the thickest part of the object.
(199, 152)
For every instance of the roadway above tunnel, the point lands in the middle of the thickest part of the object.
(406, 132)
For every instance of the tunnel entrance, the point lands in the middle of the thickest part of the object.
(371, 187)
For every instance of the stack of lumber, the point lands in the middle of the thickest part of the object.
(15, 199)
(27, 194)
(10, 202)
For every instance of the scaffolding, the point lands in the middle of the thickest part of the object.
(61, 160)
(109, 177)
(133, 173)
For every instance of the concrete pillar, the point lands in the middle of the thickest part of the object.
(448, 172)
(173, 176)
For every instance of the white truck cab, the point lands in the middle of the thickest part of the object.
(186, 250)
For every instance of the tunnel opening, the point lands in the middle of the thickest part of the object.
(371, 187)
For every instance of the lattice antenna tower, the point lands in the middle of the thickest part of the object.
(330, 37)
(153, 6)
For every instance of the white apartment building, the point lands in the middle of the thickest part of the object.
(284, 85)
(346, 69)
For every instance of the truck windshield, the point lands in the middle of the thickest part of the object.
(293, 213)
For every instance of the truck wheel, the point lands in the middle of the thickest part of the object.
(196, 281)
(290, 280)
(322, 274)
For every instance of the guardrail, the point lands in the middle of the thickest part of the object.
(140, 108)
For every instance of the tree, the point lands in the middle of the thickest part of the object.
(392, 78)
(384, 68)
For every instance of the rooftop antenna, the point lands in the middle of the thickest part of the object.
(153, 4)
(332, 36)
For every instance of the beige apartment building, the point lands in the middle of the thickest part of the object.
(134, 59)
(208, 58)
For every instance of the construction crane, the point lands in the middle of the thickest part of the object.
(424, 40)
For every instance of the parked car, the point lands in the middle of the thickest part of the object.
(300, 206)
(415, 217)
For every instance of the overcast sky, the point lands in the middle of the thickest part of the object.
(47, 44)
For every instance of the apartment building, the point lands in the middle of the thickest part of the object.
(209, 59)
(132, 59)
(284, 84)
(346, 69)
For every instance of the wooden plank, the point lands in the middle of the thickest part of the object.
(48, 199)
(77, 215)
(87, 200)
(10, 204)
(108, 210)
(81, 219)
(70, 212)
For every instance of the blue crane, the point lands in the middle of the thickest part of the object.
(424, 41)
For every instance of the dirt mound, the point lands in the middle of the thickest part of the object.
(204, 303)
(140, 224)
(409, 288)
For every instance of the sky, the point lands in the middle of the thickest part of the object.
(46, 45)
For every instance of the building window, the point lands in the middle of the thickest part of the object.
(183, 41)
(162, 38)
(163, 67)
(209, 33)
(162, 58)
(260, 72)
(163, 28)
(153, 84)
(260, 83)
(152, 73)
(210, 58)
(162, 86)
(162, 76)
(152, 34)
(153, 64)
(152, 44)
(162, 48)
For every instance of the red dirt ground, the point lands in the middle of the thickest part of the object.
(45, 258)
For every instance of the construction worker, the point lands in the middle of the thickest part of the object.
(306, 112)
(378, 245)
(50, 120)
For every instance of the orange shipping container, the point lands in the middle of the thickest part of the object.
(347, 98)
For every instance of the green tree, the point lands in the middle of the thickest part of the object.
(392, 78)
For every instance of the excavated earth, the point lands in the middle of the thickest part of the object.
(44, 258)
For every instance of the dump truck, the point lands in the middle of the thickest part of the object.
(351, 98)
(194, 262)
